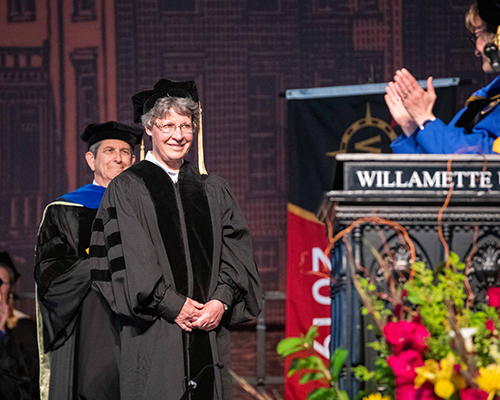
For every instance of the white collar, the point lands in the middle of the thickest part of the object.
(172, 174)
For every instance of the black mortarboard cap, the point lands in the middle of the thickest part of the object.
(145, 101)
(489, 11)
(111, 130)
(6, 261)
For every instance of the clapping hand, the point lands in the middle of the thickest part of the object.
(417, 101)
(398, 110)
(409, 104)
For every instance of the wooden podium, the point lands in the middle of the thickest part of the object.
(410, 190)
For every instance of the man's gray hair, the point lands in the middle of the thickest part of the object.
(181, 105)
(93, 149)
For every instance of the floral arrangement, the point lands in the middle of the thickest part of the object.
(433, 344)
(433, 340)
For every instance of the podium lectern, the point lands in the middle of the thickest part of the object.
(410, 190)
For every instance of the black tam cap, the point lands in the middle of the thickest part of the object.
(6, 262)
(111, 130)
(145, 101)
(489, 11)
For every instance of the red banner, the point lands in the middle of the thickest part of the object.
(308, 288)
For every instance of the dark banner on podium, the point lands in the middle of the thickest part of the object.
(323, 122)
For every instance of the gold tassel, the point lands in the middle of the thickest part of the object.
(201, 159)
(141, 156)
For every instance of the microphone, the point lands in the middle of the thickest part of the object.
(193, 383)
(491, 51)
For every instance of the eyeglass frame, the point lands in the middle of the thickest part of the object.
(473, 37)
(186, 130)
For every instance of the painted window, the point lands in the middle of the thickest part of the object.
(21, 10)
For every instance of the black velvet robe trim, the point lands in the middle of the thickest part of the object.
(161, 188)
(87, 216)
(98, 225)
(199, 229)
(473, 114)
(200, 238)
(99, 275)
(98, 251)
(196, 213)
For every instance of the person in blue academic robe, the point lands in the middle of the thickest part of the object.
(76, 347)
(476, 128)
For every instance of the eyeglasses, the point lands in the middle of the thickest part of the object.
(473, 37)
(169, 128)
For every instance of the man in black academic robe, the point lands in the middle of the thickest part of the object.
(77, 345)
(172, 256)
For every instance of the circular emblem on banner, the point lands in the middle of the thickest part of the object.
(367, 135)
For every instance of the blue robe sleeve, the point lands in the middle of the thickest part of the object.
(439, 138)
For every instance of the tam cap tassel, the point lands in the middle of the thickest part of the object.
(201, 157)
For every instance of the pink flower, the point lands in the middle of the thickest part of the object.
(490, 325)
(403, 366)
(404, 335)
(408, 392)
(494, 297)
(473, 394)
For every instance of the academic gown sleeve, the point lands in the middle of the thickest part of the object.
(238, 284)
(439, 138)
(125, 266)
(61, 274)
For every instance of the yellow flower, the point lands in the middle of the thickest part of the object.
(426, 373)
(376, 396)
(446, 365)
(441, 376)
(489, 380)
(444, 388)
(458, 381)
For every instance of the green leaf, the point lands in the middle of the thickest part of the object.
(309, 363)
(336, 362)
(311, 334)
(418, 266)
(414, 298)
(322, 394)
(364, 311)
(375, 346)
(372, 288)
(289, 346)
(344, 394)
(361, 373)
(311, 376)
(453, 258)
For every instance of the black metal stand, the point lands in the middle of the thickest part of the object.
(193, 383)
